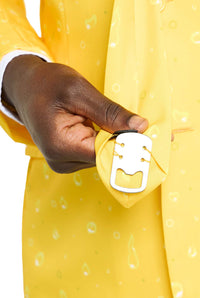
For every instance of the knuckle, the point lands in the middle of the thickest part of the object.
(112, 111)
(74, 85)
(72, 90)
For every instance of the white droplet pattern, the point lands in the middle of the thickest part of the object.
(62, 294)
(158, 279)
(154, 131)
(177, 289)
(46, 171)
(26, 292)
(194, 7)
(174, 196)
(116, 87)
(170, 222)
(116, 235)
(156, 2)
(86, 269)
(91, 228)
(110, 208)
(39, 259)
(192, 252)
(37, 206)
(195, 37)
(180, 116)
(82, 44)
(67, 29)
(77, 179)
(53, 204)
(172, 24)
(98, 62)
(30, 242)
(55, 234)
(112, 44)
(3, 17)
(59, 26)
(133, 260)
(91, 22)
(151, 95)
(63, 203)
(61, 6)
(107, 271)
(183, 171)
(96, 176)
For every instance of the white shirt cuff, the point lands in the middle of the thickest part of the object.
(3, 63)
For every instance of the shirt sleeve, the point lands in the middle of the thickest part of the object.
(17, 37)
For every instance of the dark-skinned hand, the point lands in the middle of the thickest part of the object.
(58, 105)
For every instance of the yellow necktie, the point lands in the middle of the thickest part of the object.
(137, 64)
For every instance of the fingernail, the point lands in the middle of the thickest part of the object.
(138, 123)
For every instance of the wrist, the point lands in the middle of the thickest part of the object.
(16, 75)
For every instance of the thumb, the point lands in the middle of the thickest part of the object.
(87, 101)
(114, 117)
(109, 115)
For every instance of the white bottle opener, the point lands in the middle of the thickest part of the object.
(132, 154)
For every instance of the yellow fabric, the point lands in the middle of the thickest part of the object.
(78, 241)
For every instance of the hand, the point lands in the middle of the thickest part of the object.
(57, 105)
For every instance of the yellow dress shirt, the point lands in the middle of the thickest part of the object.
(80, 237)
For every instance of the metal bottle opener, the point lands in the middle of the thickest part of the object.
(132, 154)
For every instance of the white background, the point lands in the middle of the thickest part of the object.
(13, 167)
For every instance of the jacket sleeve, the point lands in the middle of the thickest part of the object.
(17, 36)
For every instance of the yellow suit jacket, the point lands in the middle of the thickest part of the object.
(78, 241)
